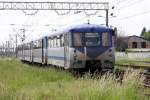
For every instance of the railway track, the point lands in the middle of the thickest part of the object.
(145, 73)
(133, 66)
(146, 82)
(147, 79)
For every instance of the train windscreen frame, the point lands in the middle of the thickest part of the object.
(91, 39)
(86, 39)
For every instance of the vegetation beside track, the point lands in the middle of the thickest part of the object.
(25, 82)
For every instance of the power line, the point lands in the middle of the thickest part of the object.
(117, 3)
(131, 4)
(135, 15)
(121, 1)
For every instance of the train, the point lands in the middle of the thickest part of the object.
(84, 46)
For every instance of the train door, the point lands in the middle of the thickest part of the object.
(66, 51)
(44, 50)
(30, 57)
(31, 51)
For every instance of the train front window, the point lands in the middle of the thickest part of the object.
(77, 40)
(92, 39)
(106, 40)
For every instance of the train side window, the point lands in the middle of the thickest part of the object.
(106, 39)
(28, 46)
(40, 43)
(34, 45)
(52, 42)
(55, 40)
(61, 41)
(58, 41)
(24, 46)
(37, 44)
(49, 43)
(56, 44)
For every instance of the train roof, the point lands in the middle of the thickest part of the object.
(77, 28)
(82, 28)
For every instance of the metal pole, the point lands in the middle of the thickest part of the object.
(16, 47)
(23, 39)
(107, 18)
(0, 50)
(6, 48)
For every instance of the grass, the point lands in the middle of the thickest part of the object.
(24, 82)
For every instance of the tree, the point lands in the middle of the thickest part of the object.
(121, 44)
(143, 31)
(147, 35)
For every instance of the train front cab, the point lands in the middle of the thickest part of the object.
(92, 50)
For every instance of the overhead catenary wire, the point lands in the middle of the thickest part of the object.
(114, 3)
(121, 1)
(131, 16)
(129, 5)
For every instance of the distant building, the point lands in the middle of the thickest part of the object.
(136, 42)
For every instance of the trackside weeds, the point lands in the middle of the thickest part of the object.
(25, 82)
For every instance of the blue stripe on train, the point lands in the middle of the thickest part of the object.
(56, 58)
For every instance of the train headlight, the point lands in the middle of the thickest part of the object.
(75, 51)
(75, 57)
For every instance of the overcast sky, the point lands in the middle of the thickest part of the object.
(130, 17)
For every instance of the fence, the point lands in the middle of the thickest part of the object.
(132, 55)
(8, 52)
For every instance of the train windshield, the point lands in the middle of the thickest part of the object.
(87, 39)
(78, 41)
(106, 40)
(92, 39)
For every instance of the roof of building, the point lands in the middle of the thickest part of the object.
(137, 37)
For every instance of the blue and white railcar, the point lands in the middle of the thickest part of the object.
(27, 52)
(81, 46)
(24, 52)
(85, 46)
(37, 51)
(20, 52)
